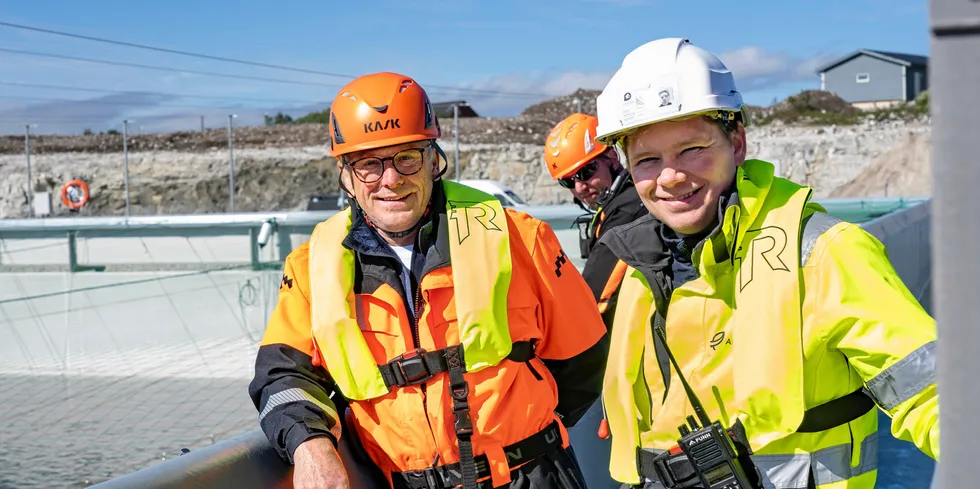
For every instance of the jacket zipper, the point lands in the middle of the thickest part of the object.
(417, 309)
(415, 338)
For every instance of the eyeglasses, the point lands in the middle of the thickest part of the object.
(584, 173)
(405, 162)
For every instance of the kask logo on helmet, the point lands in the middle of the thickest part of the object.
(381, 126)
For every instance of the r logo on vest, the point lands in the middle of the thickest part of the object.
(472, 211)
(769, 244)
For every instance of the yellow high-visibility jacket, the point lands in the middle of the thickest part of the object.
(792, 309)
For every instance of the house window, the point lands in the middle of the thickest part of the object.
(863, 78)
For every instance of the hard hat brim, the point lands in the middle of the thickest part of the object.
(383, 143)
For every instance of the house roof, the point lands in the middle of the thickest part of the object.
(445, 109)
(892, 57)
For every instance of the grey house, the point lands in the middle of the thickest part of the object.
(871, 79)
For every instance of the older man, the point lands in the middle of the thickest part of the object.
(458, 333)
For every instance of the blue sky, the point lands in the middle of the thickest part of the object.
(525, 50)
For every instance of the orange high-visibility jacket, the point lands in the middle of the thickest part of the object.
(549, 303)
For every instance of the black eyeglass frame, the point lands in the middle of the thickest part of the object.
(380, 173)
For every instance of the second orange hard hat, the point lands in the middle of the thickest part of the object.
(571, 144)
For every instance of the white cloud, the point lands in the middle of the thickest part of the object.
(755, 62)
(151, 111)
(59, 115)
(758, 69)
(755, 69)
(520, 90)
(70, 96)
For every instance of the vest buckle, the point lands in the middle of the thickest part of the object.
(410, 368)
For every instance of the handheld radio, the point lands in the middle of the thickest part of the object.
(718, 456)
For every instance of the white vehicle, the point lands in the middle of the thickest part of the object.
(507, 197)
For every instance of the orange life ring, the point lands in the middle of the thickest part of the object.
(74, 194)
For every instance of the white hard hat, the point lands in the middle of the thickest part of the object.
(661, 80)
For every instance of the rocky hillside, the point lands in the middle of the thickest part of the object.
(813, 138)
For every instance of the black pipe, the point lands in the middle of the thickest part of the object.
(245, 462)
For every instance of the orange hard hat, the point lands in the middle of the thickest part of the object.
(380, 109)
(571, 144)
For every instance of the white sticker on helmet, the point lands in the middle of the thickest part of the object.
(650, 102)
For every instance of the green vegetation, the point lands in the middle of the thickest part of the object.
(820, 108)
(321, 117)
(279, 118)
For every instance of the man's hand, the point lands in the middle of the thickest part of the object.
(317, 465)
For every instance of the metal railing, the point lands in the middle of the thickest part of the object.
(256, 230)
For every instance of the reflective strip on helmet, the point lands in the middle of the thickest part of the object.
(906, 378)
(829, 465)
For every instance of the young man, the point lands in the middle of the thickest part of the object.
(591, 171)
(461, 342)
(788, 325)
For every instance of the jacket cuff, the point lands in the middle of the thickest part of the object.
(304, 430)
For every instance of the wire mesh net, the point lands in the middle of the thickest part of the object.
(102, 374)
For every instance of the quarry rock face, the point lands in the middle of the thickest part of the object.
(278, 168)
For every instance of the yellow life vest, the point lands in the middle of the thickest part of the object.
(479, 248)
(762, 235)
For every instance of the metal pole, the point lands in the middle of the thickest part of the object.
(578, 105)
(126, 162)
(202, 123)
(955, 74)
(456, 138)
(231, 167)
(30, 187)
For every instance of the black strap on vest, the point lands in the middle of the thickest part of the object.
(418, 366)
(460, 390)
(659, 322)
(837, 412)
(523, 454)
